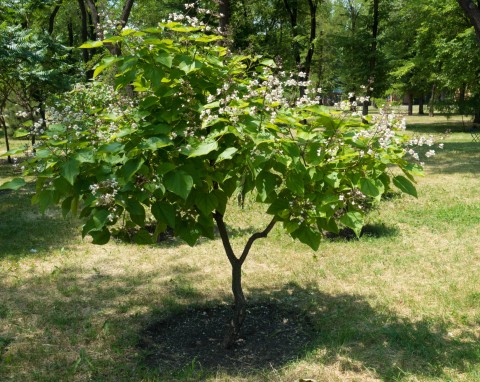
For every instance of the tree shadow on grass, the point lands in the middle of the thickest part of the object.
(24, 231)
(294, 323)
(457, 158)
(439, 128)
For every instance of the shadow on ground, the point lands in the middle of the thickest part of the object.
(293, 323)
(457, 158)
(24, 231)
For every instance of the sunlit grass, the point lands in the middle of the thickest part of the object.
(400, 304)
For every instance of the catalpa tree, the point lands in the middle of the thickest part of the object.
(206, 125)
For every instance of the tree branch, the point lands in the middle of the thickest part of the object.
(255, 236)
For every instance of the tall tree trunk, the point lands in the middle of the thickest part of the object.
(239, 313)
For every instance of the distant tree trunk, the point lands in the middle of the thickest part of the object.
(420, 104)
(432, 102)
(410, 103)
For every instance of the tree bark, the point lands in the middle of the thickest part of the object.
(239, 313)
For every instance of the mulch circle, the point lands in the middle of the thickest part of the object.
(271, 336)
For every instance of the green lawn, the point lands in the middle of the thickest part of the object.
(400, 304)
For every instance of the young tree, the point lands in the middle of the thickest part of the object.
(205, 125)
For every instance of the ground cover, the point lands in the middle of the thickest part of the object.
(400, 304)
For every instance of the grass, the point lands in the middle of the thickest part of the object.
(400, 304)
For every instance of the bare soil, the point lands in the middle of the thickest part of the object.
(271, 336)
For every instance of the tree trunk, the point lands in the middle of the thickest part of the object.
(239, 311)
(410, 103)
(225, 14)
(420, 104)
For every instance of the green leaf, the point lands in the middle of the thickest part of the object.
(164, 212)
(332, 179)
(295, 183)
(143, 237)
(20, 133)
(265, 184)
(130, 168)
(70, 170)
(189, 232)
(157, 142)
(44, 199)
(204, 148)
(66, 206)
(405, 185)
(206, 203)
(164, 58)
(100, 237)
(227, 154)
(179, 182)
(99, 69)
(91, 44)
(136, 211)
(14, 184)
(307, 236)
(368, 187)
(353, 220)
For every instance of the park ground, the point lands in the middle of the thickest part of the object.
(402, 303)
